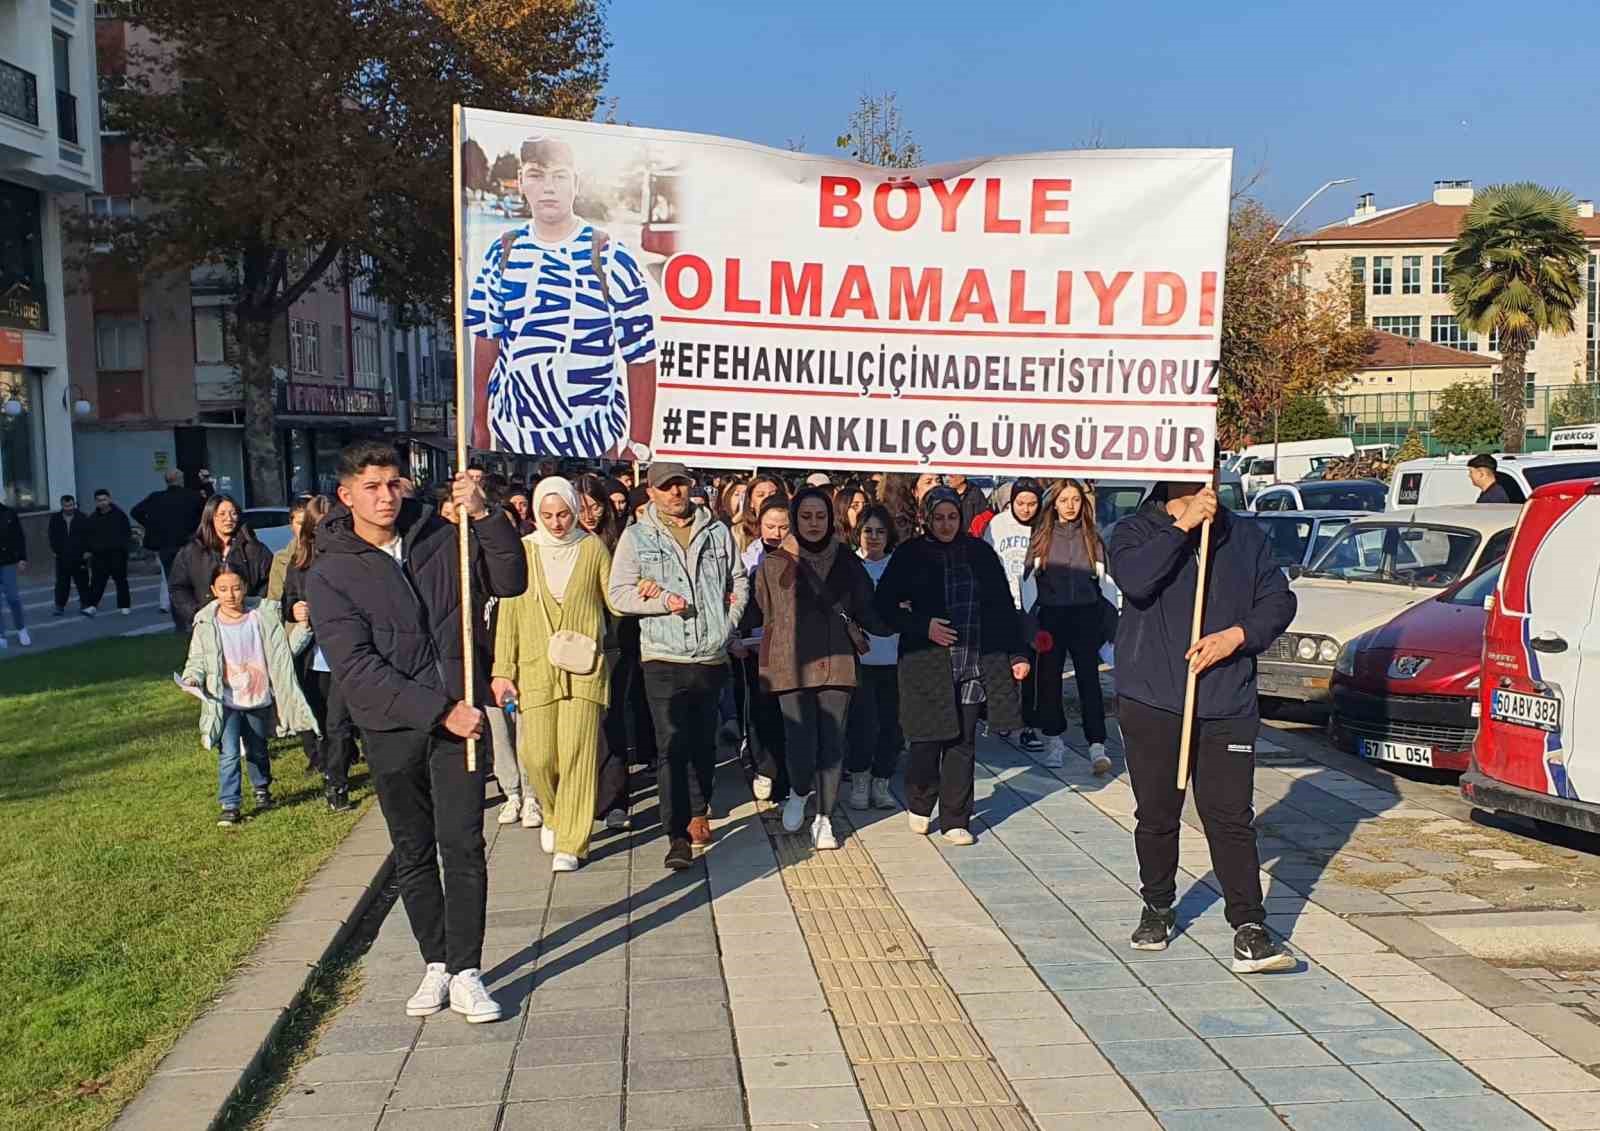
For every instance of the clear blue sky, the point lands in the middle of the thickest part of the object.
(1384, 92)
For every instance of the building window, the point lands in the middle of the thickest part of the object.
(1411, 274)
(22, 483)
(104, 212)
(118, 342)
(365, 363)
(1383, 274)
(313, 347)
(338, 353)
(22, 294)
(305, 346)
(297, 346)
(362, 300)
(1440, 286)
(1446, 331)
(215, 342)
(1358, 269)
(1494, 340)
(1406, 325)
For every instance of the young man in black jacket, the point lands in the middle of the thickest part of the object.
(385, 598)
(106, 535)
(170, 518)
(1153, 558)
(67, 527)
(13, 556)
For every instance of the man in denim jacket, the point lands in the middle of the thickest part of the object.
(677, 569)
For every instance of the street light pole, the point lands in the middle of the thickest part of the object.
(1307, 203)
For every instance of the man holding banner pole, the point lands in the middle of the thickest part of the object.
(1155, 558)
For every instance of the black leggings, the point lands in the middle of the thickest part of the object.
(1076, 629)
(814, 721)
(875, 721)
(941, 771)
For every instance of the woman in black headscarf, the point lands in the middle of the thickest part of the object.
(960, 647)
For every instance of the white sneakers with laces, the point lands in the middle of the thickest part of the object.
(822, 838)
(919, 825)
(881, 797)
(860, 791)
(23, 638)
(511, 811)
(532, 817)
(432, 995)
(794, 812)
(564, 862)
(1055, 752)
(762, 787)
(469, 998)
(961, 837)
(547, 839)
(1099, 761)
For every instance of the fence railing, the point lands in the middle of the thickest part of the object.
(19, 94)
(1387, 418)
(67, 116)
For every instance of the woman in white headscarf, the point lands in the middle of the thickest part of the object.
(548, 659)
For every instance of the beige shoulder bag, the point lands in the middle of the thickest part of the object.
(569, 651)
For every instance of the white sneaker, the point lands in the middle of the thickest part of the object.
(881, 797)
(618, 819)
(23, 638)
(860, 791)
(794, 812)
(919, 825)
(433, 995)
(532, 817)
(471, 1000)
(762, 787)
(564, 862)
(959, 836)
(822, 838)
(1055, 753)
(125, 612)
(1099, 761)
(511, 811)
(547, 839)
(91, 611)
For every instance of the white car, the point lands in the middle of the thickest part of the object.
(270, 525)
(1441, 480)
(1323, 495)
(1375, 569)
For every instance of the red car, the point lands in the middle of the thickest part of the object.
(1407, 692)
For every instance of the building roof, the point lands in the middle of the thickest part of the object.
(1396, 351)
(1414, 223)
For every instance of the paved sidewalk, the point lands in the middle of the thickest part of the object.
(903, 984)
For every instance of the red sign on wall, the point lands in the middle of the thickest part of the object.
(10, 347)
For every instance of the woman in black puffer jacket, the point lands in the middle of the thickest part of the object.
(221, 537)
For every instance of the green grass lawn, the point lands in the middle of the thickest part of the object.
(123, 908)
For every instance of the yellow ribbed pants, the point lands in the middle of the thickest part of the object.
(559, 749)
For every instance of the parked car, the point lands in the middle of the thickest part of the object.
(1407, 691)
(1298, 538)
(1442, 480)
(1374, 569)
(1115, 499)
(1538, 747)
(271, 525)
(1262, 465)
(1324, 495)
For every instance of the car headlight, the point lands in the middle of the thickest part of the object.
(1306, 649)
(1346, 662)
(1477, 682)
(1328, 651)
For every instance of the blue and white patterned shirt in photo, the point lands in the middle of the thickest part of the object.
(560, 385)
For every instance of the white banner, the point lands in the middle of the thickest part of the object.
(734, 306)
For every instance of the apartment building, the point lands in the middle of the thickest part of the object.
(1395, 260)
(49, 157)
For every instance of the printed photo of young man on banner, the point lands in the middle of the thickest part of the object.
(723, 304)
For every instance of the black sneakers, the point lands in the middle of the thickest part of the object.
(263, 800)
(229, 819)
(1030, 740)
(338, 799)
(680, 855)
(1155, 928)
(1256, 952)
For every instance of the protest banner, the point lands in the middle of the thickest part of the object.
(730, 305)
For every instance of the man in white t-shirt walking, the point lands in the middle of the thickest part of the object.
(564, 357)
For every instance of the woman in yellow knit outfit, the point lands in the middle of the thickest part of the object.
(559, 737)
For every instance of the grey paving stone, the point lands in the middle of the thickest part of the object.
(1334, 1018)
(335, 1099)
(1184, 972)
(1082, 1003)
(564, 999)
(665, 1019)
(480, 1118)
(1422, 1080)
(819, 1105)
(428, 1062)
(1108, 1029)
(1183, 1054)
(1259, 1022)
(583, 1023)
(222, 1040)
(603, 1113)
(1049, 1062)
(457, 1089)
(553, 974)
(538, 1049)
(395, 1037)
(1287, 1051)
(1221, 1119)
(1176, 1091)
(1559, 1027)
(1089, 976)
(1308, 1085)
(354, 1067)
(685, 1073)
(567, 1082)
(669, 1111)
(1476, 1113)
(1372, 1115)
(1030, 1033)
(364, 1122)
(691, 1043)
(686, 991)
(448, 1029)
(1314, 990)
(675, 968)
(1209, 995)
(181, 1101)
(1381, 1046)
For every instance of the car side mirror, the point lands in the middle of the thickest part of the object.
(1294, 571)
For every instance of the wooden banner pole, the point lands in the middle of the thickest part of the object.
(1195, 632)
(463, 423)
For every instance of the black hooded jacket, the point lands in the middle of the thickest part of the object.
(392, 632)
(1153, 562)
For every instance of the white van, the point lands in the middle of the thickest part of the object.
(1439, 481)
(1262, 465)
(1575, 437)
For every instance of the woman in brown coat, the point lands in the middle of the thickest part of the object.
(816, 600)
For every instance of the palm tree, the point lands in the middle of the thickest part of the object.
(1516, 268)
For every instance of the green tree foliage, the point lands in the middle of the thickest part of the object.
(1306, 418)
(1516, 268)
(1467, 419)
(309, 141)
(1580, 404)
(877, 136)
(1413, 448)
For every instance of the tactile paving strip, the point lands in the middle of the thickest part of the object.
(919, 1062)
